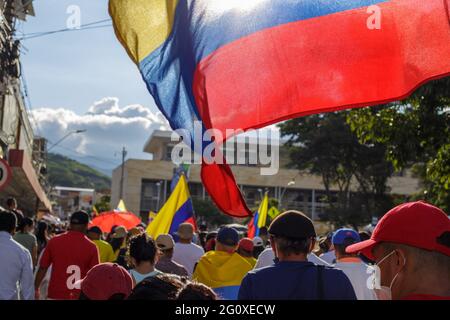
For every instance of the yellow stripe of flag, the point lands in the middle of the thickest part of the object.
(262, 211)
(161, 224)
(142, 25)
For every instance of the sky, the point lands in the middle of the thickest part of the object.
(85, 80)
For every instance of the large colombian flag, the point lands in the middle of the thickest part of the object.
(241, 64)
(178, 209)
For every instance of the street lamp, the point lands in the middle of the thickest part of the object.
(290, 183)
(158, 184)
(65, 137)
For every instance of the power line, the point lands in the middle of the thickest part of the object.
(28, 100)
(88, 26)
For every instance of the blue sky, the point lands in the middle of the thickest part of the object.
(74, 69)
(85, 80)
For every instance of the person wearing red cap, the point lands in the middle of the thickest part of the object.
(106, 281)
(411, 249)
(245, 250)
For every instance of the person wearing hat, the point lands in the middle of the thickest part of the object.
(223, 268)
(165, 263)
(71, 256)
(118, 241)
(185, 251)
(330, 255)
(258, 247)
(411, 248)
(354, 268)
(245, 249)
(293, 277)
(106, 281)
(104, 248)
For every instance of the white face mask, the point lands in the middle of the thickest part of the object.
(383, 292)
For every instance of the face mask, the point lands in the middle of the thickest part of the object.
(385, 293)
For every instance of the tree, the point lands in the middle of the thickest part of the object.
(324, 144)
(416, 134)
(206, 211)
(104, 204)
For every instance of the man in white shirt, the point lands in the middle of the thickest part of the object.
(16, 267)
(354, 268)
(185, 252)
(267, 257)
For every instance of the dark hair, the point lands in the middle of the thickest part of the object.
(115, 296)
(196, 291)
(257, 251)
(11, 201)
(142, 248)
(160, 287)
(289, 246)
(364, 235)
(41, 227)
(8, 221)
(341, 247)
(444, 239)
(25, 222)
(116, 243)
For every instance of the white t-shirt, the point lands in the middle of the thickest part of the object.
(187, 255)
(358, 274)
(329, 257)
(266, 258)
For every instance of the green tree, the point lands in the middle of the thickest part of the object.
(416, 134)
(104, 204)
(325, 145)
(208, 212)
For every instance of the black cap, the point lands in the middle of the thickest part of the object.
(228, 236)
(292, 224)
(79, 217)
(95, 229)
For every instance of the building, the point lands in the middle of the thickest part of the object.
(17, 139)
(68, 200)
(147, 182)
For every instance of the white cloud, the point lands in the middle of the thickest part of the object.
(108, 127)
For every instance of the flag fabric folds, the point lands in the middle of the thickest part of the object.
(177, 210)
(259, 219)
(223, 272)
(247, 64)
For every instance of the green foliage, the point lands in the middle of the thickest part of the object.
(416, 134)
(324, 144)
(104, 204)
(207, 211)
(66, 172)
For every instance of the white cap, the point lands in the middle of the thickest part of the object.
(258, 242)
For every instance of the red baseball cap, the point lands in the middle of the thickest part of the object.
(246, 244)
(416, 224)
(105, 280)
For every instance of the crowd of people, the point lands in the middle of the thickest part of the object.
(406, 257)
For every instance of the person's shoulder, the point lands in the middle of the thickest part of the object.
(197, 247)
(17, 244)
(88, 243)
(262, 272)
(334, 274)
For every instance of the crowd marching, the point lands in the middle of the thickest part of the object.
(406, 257)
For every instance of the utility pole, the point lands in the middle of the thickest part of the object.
(124, 154)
